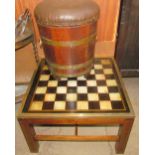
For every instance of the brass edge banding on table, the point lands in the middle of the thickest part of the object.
(73, 67)
(68, 43)
(77, 111)
(123, 91)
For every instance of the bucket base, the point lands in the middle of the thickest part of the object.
(70, 71)
(69, 75)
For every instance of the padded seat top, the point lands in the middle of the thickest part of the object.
(66, 12)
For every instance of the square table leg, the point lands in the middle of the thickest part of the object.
(124, 132)
(29, 133)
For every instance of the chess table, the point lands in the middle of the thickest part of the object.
(98, 99)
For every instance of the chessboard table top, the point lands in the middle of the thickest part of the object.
(101, 93)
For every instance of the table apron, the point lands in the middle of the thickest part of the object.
(76, 121)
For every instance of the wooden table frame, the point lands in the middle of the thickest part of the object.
(125, 121)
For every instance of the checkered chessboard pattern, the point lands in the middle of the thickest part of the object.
(98, 92)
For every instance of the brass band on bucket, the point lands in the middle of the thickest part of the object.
(68, 43)
(71, 75)
(70, 67)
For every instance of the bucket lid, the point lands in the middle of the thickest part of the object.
(66, 12)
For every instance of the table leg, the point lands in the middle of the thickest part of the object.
(29, 133)
(124, 132)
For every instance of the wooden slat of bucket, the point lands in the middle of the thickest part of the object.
(68, 33)
(72, 47)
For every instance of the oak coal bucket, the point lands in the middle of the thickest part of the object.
(68, 33)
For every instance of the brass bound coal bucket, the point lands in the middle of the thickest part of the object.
(68, 33)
